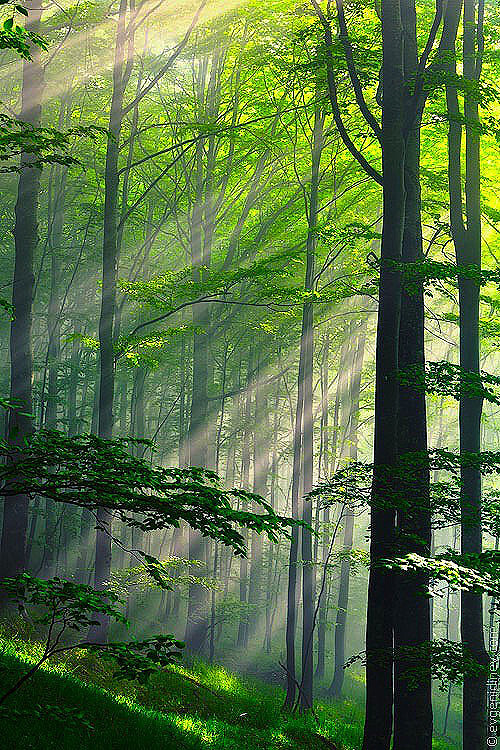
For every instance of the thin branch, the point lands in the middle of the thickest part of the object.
(353, 75)
(332, 91)
(173, 57)
(297, 685)
(419, 80)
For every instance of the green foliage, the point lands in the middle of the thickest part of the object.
(180, 707)
(138, 660)
(166, 574)
(478, 573)
(350, 485)
(450, 662)
(16, 37)
(44, 145)
(62, 603)
(63, 606)
(448, 379)
(71, 718)
(91, 472)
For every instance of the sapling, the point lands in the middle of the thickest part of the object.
(64, 608)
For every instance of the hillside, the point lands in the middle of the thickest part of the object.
(77, 703)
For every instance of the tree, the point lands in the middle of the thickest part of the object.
(15, 517)
(466, 233)
(67, 608)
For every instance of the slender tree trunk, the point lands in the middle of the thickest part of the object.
(345, 569)
(291, 611)
(467, 241)
(272, 499)
(99, 633)
(242, 640)
(196, 625)
(213, 606)
(74, 373)
(307, 352)
(328, 467)
(260, 475)
(54, 512)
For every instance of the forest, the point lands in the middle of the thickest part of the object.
(249, 409)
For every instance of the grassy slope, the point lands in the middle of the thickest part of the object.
(182, 709)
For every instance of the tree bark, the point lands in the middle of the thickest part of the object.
(379, 633)
(467, 240)
(20, 425)
(412, 636)
(323, 470)
(260, 476)
(242, 639)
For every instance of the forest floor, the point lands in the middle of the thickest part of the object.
(76, 703)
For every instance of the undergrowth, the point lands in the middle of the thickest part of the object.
(76, 703)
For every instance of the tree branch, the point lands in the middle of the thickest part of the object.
(173, 57)
(332, 91)
(419, 79)
(353, 75)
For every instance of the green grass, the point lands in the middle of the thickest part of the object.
(181, 709)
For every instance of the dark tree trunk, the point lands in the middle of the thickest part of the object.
(467, 241)
(20, 426)
(379, 633)
(99, 633)
(474, 688)
(412, 704)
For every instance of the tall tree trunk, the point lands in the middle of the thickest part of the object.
(467, 240)
(99, 633)
(345, 568)
(307, 352)
(379, 633)
(272, 500)
(74, 373)
(196, 624)
(20, 426)
(412, 703)
(56, 220)
(291, 610)
(213, 603)
(329, 467)
(470, 409)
